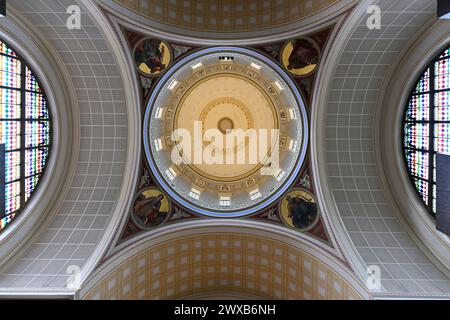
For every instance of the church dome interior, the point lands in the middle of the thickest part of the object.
(207, 92)
(225, 150)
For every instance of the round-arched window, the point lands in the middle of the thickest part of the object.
(25, 134)
(426, 129)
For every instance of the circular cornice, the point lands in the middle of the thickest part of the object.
(324, 195)
(150, 150)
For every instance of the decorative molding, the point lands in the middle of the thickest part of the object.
(134, 138)
(139, 23)
(324, 196)
(226, 17)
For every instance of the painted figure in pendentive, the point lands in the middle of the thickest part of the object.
(301, 212)
(303, 55)
(148, 210)
(151, 53)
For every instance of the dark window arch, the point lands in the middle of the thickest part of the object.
(25, 133)
(426, 127)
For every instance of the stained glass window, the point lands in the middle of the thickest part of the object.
(25, 133)
(426, 129)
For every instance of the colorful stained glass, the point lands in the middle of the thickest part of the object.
(442, 145)
(419, 108)
(442, 106)
(10, 72)
(6, 50)
(428, 113)
(417, 136)
(12, 196)
(10, 133)
(445, 54)
(424, 83)
(418, 164)
(31, 82)
(12, 167)
(36, 106)
(442, 75)
(10, 104)
(422, 187)
(5, 221)
(24, 130)
(442, 130)
(30, 186)
(441, 67)
(37, 134)
(35, 160)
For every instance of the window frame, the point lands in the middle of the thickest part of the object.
(431, 65)
(24, 65)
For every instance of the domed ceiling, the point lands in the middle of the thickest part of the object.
(225, 131)
(226, 15)
(225, 134)
(111, 213)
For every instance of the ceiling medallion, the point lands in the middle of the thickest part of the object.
(225, 137)
(151, 208)
(298, 210)
(152, 56)
(300, 57)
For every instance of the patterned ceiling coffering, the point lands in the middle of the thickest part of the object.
(224, 262)
(226, 15)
